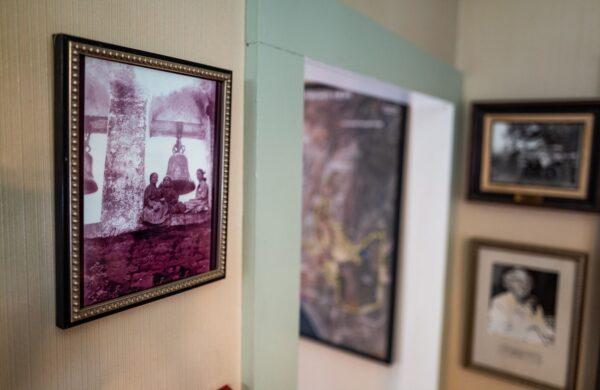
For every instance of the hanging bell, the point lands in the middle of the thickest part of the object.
(177, 170)
(89, 185)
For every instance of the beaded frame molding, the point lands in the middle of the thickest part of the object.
(69, 55)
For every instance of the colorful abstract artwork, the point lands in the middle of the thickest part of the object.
(351, 196)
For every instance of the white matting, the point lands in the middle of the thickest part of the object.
(424, 248)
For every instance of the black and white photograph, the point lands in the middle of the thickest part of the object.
(147, 151)
(525, 313)
(538, 154)
(523, 304)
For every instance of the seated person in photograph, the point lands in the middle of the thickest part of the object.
(171, 196)
(155, 209)
(200, 202)
(516, 313)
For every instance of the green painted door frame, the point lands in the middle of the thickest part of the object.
(279, 35)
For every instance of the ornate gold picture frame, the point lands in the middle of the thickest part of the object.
(124, 120)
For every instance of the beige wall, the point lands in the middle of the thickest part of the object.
(523, 49)
(188, 341)
(429, 24)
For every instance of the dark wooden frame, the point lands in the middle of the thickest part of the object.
(481, 108)
(598, 374)
(68, 150)
(395, 252)
(579, 258)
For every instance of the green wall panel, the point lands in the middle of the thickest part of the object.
(331, 32)
(279, 34)
(272, 204)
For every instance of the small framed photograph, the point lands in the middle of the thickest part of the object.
(540, 154)
(142, 156)
(526, 313)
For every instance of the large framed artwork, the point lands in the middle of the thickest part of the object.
(353, 152)
(526, 313)
(142, 156)
(536, 153)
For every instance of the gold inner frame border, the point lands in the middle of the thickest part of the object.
(75, 49)
(486, 185)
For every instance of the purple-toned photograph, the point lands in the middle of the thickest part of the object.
(148, 178)
(352, 165)
(147, 189)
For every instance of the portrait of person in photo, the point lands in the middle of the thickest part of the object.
(526, 312)
(522, 304)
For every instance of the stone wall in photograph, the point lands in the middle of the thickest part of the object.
(135, 261)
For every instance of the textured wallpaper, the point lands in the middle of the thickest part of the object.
(188, 341)
(514, 49)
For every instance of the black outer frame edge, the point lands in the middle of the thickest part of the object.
(398, 229)
(578, 315)
(220, 105)
(61, 183)
(595, 162)
(479, 108)
(473, 176)
(598, 372)
(470, 290)
(388, 359)
(61, 41)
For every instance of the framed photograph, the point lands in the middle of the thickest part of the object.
(536, 153)
(142, 156)
(351, 195)
(526, 313)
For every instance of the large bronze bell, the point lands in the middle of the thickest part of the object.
(178, 171)
(89, 184)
